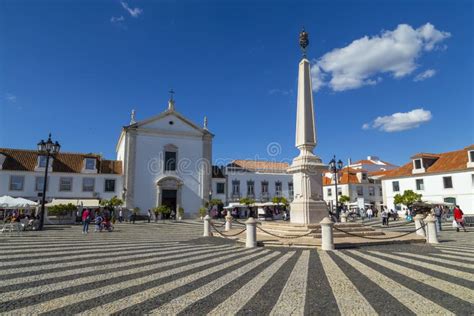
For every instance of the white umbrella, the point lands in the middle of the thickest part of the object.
(7, 201)
(21, 202)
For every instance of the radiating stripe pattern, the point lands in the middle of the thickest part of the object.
(167, 268)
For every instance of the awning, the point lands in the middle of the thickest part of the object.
(76, 202)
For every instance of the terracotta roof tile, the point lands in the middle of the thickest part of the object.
(258, 165)
(346, 176)
(446, 162)
(26, 160)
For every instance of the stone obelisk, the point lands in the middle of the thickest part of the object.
(308, 206)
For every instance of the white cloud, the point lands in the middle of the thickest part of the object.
(10, 97)
(400, 121)
(135, 12)
(425, 75)
(116, 19)
(363, 61)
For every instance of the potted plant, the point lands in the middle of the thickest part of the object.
(163, 210)
(202, 212)
(180, 213)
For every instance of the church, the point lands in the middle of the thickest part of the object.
(167, 160)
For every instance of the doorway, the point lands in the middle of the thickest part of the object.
(169, 199)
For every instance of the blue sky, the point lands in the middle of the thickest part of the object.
(77, 68)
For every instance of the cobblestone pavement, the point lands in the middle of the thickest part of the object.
(167, 268)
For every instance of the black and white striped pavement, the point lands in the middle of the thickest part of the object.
(167, 269)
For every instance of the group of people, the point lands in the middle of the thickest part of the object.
(14, 220)
(101, 220)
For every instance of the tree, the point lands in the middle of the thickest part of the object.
(216, 202)
(408, 198)
(112, 203)
(344, 199)
(61, 210)
(247, 202)
(280, 200)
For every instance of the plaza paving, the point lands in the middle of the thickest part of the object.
(167, 268)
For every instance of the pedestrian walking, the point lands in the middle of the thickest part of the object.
(86, 219)
(134, 217)
(370, 213)
(438, 212)
(459, 218)
(149, 216)
(384, 215)
(120, 216)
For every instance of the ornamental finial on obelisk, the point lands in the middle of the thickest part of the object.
(304, 41)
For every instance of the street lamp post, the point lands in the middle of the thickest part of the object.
(335, 168)
(48, 149)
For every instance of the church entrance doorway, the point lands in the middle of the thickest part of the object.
(169, 198)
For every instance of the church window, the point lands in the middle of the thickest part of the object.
(170, 161)
(171, 122)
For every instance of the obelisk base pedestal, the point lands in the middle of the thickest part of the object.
(307, 211)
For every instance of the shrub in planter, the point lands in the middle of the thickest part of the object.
(164, 210)
(180, 213)
(202, 212)
(61, 210)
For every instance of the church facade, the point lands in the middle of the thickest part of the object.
(167, 160)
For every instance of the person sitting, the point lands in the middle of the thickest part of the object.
(98, 221)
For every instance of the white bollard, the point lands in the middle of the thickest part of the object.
(418, 223)
(327, 240)
(431, 236)
(251, 225)
(228, 223)
(343, 217)
(207, 226)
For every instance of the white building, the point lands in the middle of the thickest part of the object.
(372, 164)
(360, 182)
(444, 177)
(258, 180)
(73, 176)
(167, 160)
